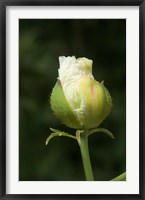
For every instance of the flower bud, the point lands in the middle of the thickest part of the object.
(77, 99)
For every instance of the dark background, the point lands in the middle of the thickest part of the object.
(41, 42)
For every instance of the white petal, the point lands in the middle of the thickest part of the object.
(70, 72)
(61, 59)
(72, 69)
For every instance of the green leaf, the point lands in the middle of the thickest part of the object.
(58, 133)
(101, 130)
(55, 130)
(121, 177)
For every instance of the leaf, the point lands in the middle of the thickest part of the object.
(101, 130)
(121, 177)
(54, 130)
(58, 133)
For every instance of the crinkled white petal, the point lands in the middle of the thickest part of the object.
(70, 72)
(80, 112)
(72, 69)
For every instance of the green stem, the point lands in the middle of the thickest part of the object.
(82, 138)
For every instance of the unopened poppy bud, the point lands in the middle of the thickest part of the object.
(77, 99)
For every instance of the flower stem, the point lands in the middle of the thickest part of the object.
(82, 138)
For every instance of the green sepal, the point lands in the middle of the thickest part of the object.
(61, 107)
(97, 101)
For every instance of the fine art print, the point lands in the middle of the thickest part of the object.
(72, 75)
(71, 106)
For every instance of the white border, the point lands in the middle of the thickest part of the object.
(131, 186)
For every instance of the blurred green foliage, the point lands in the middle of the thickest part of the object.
(41, 41)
